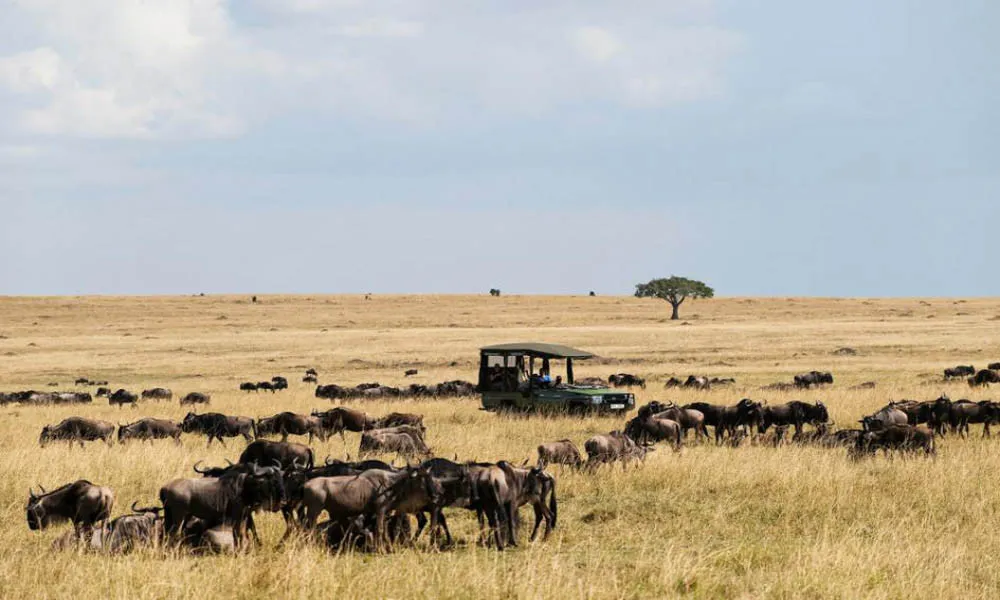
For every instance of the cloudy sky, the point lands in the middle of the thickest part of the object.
(768, 147)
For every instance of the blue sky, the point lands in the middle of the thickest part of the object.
(768, 148)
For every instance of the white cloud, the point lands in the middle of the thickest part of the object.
(176, 68)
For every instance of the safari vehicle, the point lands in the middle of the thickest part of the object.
(509, 381)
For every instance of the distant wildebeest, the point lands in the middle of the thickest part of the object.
(309, 379)
(812, 378)
(493, 292)
(71, 398)
(122, 397)
(265, 385)
(287, 455)
(410, 372)
(227, 500)
(81, 502)
(959, 371)
(563, 452)
(984, 378)
(157, 394)
(78, 429)
(217, 426)
(248, 386)
(901, 438)
(993, 366)
(396, 419)
(375, 492)
(150, 429)
(612, 447)
(403, 444)
(279, 383)
(795, 413)
(340, 419)
(289, 423)
(311, 371)
(626, 380)
(103, 392)
(82, 381)
(196, 398)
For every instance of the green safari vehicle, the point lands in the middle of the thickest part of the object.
(509, 381)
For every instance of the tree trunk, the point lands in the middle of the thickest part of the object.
(675, 314)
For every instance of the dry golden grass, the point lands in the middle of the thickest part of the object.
(707, 522)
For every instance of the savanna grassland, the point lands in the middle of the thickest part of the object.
(706, 522)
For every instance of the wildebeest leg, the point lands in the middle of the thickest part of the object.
(381, 536)
(538, 508)
(493, 517)
(444, 525)
(511, 510)
(221, 441)
(421, 523)
(253, 528)
(284, 436)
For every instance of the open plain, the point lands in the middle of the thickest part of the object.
(705, 522)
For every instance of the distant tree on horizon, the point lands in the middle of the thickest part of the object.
(674, 290)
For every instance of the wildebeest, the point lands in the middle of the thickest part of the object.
(122, 397)
(726, 419)
(71, 398)
(959, 371)
(287, 455)
(150, 429)
(196, 398)
(984, 378)
(279, 383)
(611, 447)
(993, 366)
(647, 427)
(103, 392)
(687, 418)
(963, 412)
(311, 371)
(217, 426)
(248, 386)
(265, 385)
(796, 413)
(309, 379)
(885, 417)
(82, 381)
(405, 445)
(396, 419)
(812, 378)
(289, 423)
(81, 502)
(340, 419)
(902, 438)
(158, 393)
(495, 499)
(563, 452)
(78, 429)
(626, 380)
(375, 492)
(535, 487)
(227, 500)
(410, 372)
(457, 489)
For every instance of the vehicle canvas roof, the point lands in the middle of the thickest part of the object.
(537, 349)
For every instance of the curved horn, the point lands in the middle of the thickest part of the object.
(195, 467)
(31, 494)
(229, 463)
(327, 461)
(42, 488)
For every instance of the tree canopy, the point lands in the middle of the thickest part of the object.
(674, 290)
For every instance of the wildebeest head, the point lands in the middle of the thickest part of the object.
(39, 517)
(820, 414)
(265, 487)
(190, 423)
(217, 471)
(45, 436)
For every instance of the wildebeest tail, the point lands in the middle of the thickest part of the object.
(553, 504)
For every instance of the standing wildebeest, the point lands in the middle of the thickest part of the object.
(796, 413)
(81, 502)
(406, 445)
(626, 380)
(122, 397)
(375, 492)
(78, 429)
(248, 386)
(396, 419)
(279, 383)
(150, 429)
(746, 413)
(265, 385)
(885, 417)
(289, 423)
(457, 489)
(287, 455)
(964, 412)
(984, 378)
(157, 394)
(687, 418)
(103, 392)
(310, 379)
(196, 398)
(340, 419)
(644, 428)
(807, 380)
(993, 366)
(563, 452)
(410, 372)
(495, 499)
(611, 447)
(217, 426)
(227, 500)
(902, 438)
(535, 487)
(959, 371)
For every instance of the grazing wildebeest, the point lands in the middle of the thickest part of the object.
(959, 371)
(614, 446)
(396, 419)
(71, 398)
(150, 429)
(807, 380)
(697, 382)
(626, 380)
(81, 502)
(289, 423)
(78, 429)
(265, 385)
(217, 426)
(687, 418)
(279, 383)
(287, 455)
(645, 428)
(902, 438)
(885, 417)
(157, 394)
(196, 398)
(535, 487)
(563, 452)
(332, 391)
(340, 419)
(410, 372)
(122, 397)
(993, 366)
(375, 492)
(984, 378)
(248, 386)
(796, 413)
(82, 381)
(964, 412)
(103, 392)
(227, 500)
(403, 444)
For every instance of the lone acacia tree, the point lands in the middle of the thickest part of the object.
(674, 290)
